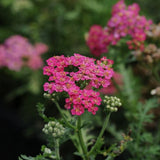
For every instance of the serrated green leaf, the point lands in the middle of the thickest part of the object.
(27, 158)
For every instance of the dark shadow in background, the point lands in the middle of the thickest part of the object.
(12, 141)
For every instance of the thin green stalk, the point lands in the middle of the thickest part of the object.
(100, 134)
(59, 109)
(80, 137)
(57, 149)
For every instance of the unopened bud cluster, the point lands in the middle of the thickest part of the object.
(150, 54)
(47, 150)
(112, 103)
(54, 129)
(49, 96)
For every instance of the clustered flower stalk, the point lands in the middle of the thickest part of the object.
(80, 78)
(125, 21)
(80, 98)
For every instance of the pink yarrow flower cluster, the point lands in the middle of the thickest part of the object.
(125, 21)
(17, 52)
(88, 71)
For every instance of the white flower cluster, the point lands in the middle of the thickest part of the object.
(54, 129)
(112, 103)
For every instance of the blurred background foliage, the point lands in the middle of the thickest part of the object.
(62, 25)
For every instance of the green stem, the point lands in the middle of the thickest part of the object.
(57, 149)
(80, 137)
(59, 109)
(100, 134)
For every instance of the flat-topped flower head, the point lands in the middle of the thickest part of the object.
(125, 21)
(17, 52)
(72, 75)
